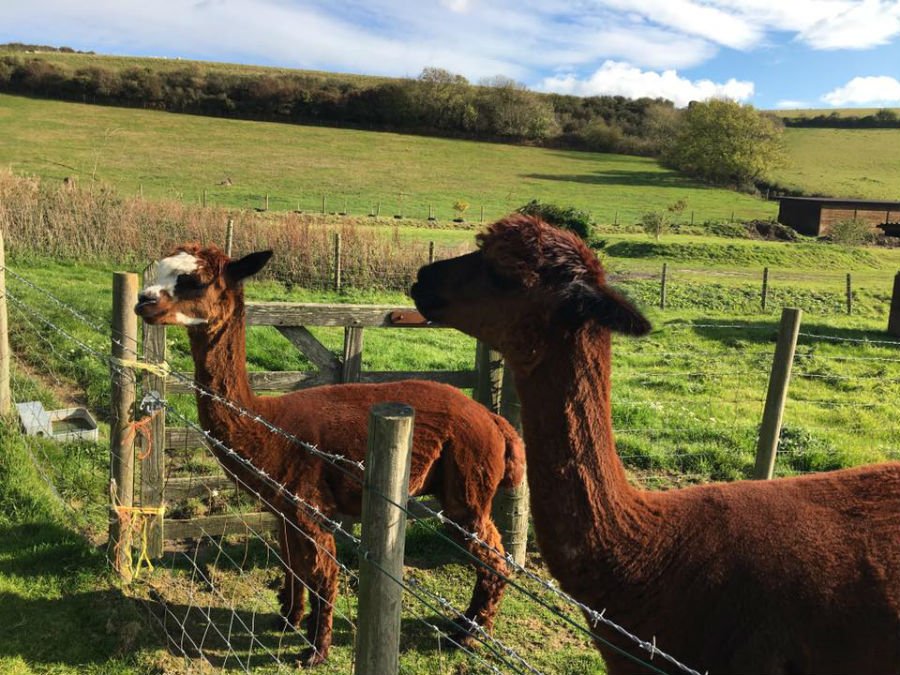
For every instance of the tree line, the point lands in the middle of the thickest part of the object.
(436, 102)
(718, 141)
(885, 118)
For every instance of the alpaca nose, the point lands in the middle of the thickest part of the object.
(146, 299)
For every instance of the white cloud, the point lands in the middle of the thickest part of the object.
(622, 79)
(745, 24)
(868, 24)
(881, 90)
(457, 5)
(706, 21)
(788, 104)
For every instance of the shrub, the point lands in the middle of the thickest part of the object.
(568, 218)
(657, 223)
(730, 230)
(599, 136)
(851, 231)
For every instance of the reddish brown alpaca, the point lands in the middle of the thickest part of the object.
(461, 452)
(800, 575)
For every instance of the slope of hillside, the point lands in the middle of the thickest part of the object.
(842, 162)
(237, 163)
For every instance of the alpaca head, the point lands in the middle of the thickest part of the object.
(527, 283)
(197, 287)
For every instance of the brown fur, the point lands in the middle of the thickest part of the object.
(797, 575)
(461, 452)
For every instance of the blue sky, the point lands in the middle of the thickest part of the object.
(771, 53)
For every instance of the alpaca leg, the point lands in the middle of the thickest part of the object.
(489, 587)
(291, 594)
(321, 574)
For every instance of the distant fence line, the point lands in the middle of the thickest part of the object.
(409, 207)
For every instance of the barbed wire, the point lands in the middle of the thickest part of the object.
(838, 338)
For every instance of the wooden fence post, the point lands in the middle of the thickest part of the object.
(229, 237)
(353, 350)
(337, 261)
(5, 396)
(764, 297)
(153, 457)
(894, 317)
(488, 377)
(121, 445)
(770, 429)
(662, 286)
(510, 508)
(383, 539)
(849, 294)
(430, 252)
(323, 203)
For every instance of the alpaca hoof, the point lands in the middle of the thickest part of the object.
(463, 640)
(310, 658)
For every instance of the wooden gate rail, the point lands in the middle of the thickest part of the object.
(293, 321)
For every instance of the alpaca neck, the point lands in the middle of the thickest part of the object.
(582, 504)
(220, 366)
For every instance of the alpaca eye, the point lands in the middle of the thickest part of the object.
(189, 286)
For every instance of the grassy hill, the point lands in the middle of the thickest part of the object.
(181, 156)
(842, 162)
(163, 64)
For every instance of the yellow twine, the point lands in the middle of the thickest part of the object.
(130, 523)
(159, 369)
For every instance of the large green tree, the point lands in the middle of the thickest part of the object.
(724, 142)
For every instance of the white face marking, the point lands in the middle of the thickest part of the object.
(186, 320)
(167, 273)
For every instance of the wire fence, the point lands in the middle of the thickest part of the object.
(687, 406)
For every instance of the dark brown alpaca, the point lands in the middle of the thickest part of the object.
(461, 452)
(800, 575)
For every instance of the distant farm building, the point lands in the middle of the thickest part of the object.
(814, 216)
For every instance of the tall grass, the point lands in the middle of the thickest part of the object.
(97, 224)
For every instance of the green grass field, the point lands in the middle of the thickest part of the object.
(842, 162)
(180, 156)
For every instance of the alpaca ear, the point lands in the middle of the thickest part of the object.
(607, 307)
(250, 264)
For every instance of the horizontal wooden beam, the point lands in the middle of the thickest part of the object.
(178, 438)
(267, 381)
(263, 521)
(311, 314)
(220, 525)
(284, 381)
(179, 489)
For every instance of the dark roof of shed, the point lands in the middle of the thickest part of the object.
(852, 203)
